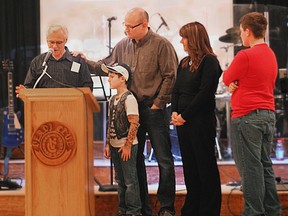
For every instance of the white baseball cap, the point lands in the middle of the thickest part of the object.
(122, 69)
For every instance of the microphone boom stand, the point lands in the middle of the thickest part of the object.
(111, 186)
(159, 27)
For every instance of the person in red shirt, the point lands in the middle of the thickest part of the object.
(251, 80)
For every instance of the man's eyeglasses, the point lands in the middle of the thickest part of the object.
(55, 42)
(132, 27)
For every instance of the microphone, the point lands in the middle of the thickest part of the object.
(164, 22)
(112, 18)
(49, 53)
(45, 66)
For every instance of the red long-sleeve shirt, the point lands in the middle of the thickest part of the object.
(255, 69)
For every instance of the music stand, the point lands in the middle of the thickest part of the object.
(111, 186)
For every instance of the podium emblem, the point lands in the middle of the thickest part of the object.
(53, 143)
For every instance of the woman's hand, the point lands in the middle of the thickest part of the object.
(173, 117)
(177, 119)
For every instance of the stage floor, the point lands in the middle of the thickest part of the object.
(12, 202)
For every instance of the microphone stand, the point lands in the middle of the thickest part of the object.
(160, 26)
(111, 186)
(109, 35)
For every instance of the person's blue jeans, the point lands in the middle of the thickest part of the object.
(128, 186)
(252, 138)
(156, 124)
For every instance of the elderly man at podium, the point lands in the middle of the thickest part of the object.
(58, 139)
(57, 68)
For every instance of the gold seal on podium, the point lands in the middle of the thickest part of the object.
(53, 143)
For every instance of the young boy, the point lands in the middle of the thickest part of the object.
(123, 123)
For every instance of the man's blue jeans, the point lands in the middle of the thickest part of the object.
(252, 138)
(128, 186)
(156, 124)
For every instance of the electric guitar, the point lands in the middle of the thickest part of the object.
(12, 133)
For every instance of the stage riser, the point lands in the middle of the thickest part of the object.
(106, 204)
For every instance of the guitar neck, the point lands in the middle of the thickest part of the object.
(10, 96)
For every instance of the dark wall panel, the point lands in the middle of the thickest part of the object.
(19, 39)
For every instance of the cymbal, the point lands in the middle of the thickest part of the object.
(233, 30)
(230, 38)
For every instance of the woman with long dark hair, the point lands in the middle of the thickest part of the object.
(193, 112)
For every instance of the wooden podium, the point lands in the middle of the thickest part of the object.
(59, 151)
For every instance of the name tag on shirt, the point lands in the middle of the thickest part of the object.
(75, 67)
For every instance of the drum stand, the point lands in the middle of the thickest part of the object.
(226, 98)
(218, 133)
(150, 155)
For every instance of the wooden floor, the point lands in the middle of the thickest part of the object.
(12, 202)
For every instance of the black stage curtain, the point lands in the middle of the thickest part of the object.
(19, 41)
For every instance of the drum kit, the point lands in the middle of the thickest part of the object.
(232, 38)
